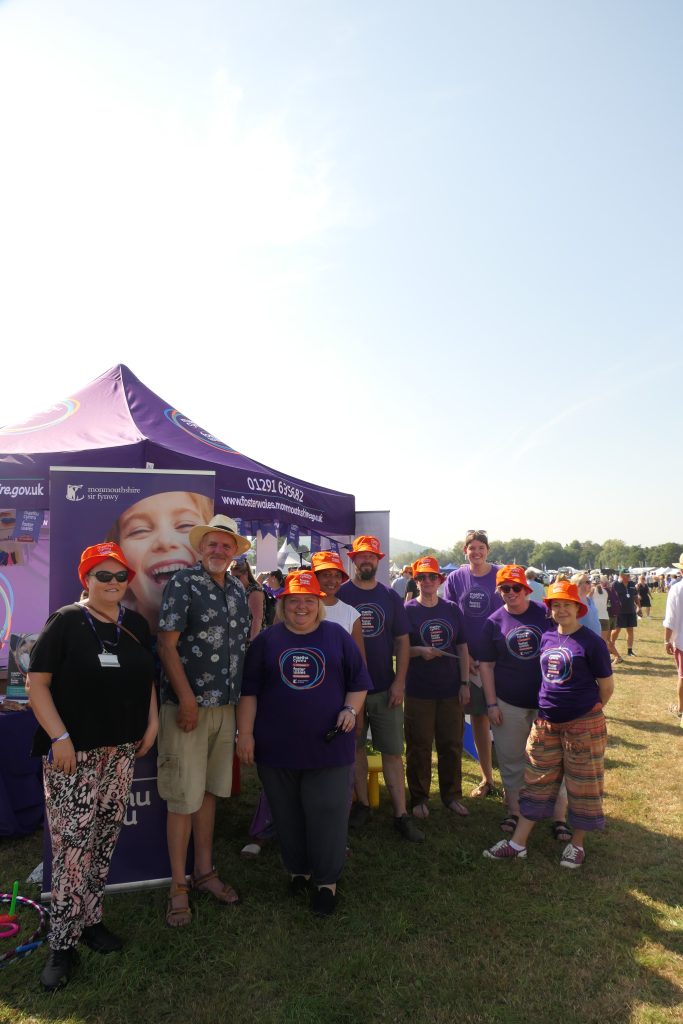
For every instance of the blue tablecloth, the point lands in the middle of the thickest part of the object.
(21, 776)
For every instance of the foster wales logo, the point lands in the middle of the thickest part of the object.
(195, 431)
(49, 418)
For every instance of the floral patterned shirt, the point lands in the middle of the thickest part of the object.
(213, 623)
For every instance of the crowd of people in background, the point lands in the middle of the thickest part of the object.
(297, 673)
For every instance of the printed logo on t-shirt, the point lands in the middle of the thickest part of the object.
(372, 619)
(436, 633)
(477, 603)
(556, 665)
(302, 668)
(524, 642)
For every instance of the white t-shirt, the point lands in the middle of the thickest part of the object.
(673, 617)
(600, 602)
(343, 614)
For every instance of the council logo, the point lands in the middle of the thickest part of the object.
(195, 431)
(73, 492)
(302, 668)
(43, 420)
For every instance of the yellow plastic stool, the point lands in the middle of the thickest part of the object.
(374, 769)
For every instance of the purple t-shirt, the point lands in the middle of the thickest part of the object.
(476, 597)
(300, 681)
(569, 667)
(439, 627)
(383, 618)
(513, 642)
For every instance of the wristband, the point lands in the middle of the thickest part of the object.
(491, 705)
(347, 707)
(64, 736)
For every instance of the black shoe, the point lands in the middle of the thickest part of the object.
(298, 885)
(323, 902)
(59, 968)
(407, 828)
(360, 815)
(98, 938)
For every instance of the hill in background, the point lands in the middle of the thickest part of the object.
(401, 547)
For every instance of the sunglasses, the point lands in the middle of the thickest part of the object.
(516, 588)
(426, 576)
(106, 577)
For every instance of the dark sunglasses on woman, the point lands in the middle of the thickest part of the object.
(516, 588)
(106, 577)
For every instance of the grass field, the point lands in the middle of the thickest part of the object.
(433, 933)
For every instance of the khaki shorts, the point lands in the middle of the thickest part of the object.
(193, 763)
(386, 724)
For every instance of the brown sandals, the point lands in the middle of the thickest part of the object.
(227, 894)
(178, 917)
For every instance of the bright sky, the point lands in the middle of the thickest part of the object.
(426, 253)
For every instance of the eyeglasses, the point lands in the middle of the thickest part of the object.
(426, 576)
(106, 577)
(516, 588)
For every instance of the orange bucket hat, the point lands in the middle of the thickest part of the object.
(513, 574)
(304, 582)
(427, 564)
(97, 553)
(565, 591)
(328, 560)
(366, 543)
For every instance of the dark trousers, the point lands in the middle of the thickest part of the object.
(434, 721)
(310, 809)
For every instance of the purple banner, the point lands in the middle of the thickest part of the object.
(149, 513)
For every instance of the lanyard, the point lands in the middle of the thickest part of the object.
(105, 643)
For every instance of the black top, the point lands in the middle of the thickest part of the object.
(100, 707)
(627, 593)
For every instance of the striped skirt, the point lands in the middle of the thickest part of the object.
(573, 751)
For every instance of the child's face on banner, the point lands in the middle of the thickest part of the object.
(153, 535)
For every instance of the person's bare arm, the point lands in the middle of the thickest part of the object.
(246, 715)
(188, 712)
(402, 653)
(256, 608)
(357, 634)
(43, 707)
(144, 745)
(606, 688)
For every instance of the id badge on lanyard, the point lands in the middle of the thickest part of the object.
(108, 660)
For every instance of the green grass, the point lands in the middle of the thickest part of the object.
(423, 934)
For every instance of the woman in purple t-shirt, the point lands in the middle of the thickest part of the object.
(569, 737)
(473, 588)
(304, 685)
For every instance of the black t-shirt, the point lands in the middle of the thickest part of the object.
(100, 707)
(626, 592)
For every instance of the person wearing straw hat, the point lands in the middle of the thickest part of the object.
(304, 685)
(569, 737)
(202, 639)
(673, 635)
(385, 634)
(436, 692)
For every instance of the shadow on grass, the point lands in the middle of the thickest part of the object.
(634, 723)
(431, 933)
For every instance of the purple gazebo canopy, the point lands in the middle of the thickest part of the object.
(116, 421)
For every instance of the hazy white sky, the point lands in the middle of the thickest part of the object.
(426, 253)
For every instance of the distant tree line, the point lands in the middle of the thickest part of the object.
(550, 554)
